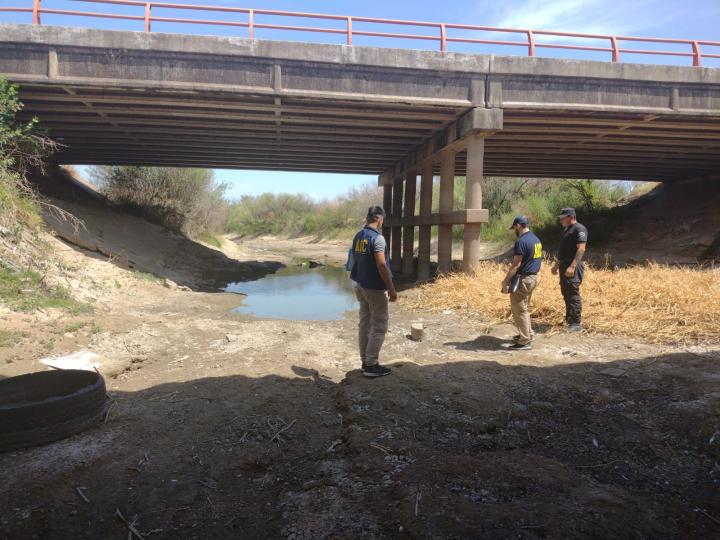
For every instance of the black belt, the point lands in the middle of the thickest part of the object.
(528, 273)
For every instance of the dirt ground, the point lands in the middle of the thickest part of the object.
(229, 426)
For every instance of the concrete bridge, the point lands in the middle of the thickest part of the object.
(177, 100)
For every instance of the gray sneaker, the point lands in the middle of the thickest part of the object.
(376, 371)
(574, 328)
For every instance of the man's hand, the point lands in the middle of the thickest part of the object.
(570, 272)
(392, 296)
(555, 269)
(505, 286)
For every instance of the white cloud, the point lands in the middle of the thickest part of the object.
(582, 16)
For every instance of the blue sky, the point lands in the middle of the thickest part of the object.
(689, 19)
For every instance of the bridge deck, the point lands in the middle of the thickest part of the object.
(174, 100)
(161, 99)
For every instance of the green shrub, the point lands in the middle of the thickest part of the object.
(298, 215)
(541, 200)
(184, 200)
(23, 146)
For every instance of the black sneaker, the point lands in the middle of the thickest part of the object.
(376, 370)
(520, 347)
(517, 338)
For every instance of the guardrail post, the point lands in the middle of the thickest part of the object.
(148, 14)
(443, 38)
(615, 49)
(697, 55)
(36, 12)
(531, 43)
(251, 24)
(349, 30)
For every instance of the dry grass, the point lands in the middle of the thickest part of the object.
(657, 303)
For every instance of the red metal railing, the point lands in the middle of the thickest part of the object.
(614, 44)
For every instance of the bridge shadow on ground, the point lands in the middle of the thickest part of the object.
(465, 450)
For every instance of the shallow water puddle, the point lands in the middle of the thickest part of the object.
(298, 293)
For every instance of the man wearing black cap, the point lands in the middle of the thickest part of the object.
(570, 266)
(521, 280)
(370, 270)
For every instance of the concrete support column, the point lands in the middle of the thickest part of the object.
(426, 189)
(409, 230)
(473, 199)
(387, 206)
(396, 246)
(447, 186)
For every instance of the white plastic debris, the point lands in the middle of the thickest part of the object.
(78, 360)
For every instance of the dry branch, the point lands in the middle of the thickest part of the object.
(131, 528)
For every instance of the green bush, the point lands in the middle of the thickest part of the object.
(184, 200)
(298, 215)
(23, 147)
(541, 200)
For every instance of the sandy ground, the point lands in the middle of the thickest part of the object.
(228, 426)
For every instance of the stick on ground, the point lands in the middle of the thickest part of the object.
(81, 492)
(129, 525)
(291, 424)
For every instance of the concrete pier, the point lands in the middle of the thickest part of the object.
(409, 229)
(424, 240)
(473, 198)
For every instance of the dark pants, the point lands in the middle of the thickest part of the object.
(570, 288)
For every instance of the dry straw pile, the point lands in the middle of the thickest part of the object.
(657, 303)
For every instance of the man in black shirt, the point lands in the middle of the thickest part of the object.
(570, 266)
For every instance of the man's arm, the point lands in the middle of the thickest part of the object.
(385, 275)
(514, 267)
(570, 272)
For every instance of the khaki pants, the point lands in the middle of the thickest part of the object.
(520, 306)
(373, 323)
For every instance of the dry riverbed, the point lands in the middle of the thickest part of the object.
(227, 426)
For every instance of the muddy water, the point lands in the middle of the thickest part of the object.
(298, 293)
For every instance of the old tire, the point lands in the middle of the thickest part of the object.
(39, 408)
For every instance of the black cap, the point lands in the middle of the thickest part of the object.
(375, 211)
(567, 212)
(519, 220)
